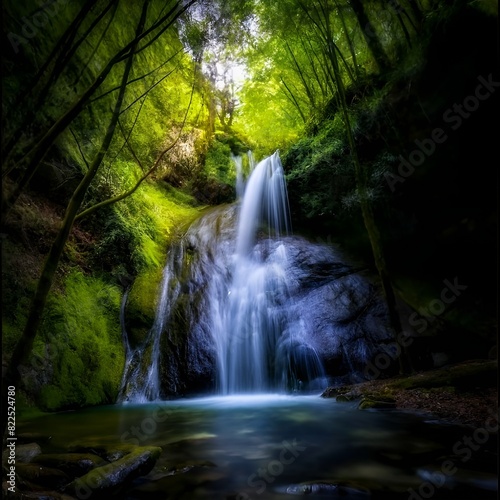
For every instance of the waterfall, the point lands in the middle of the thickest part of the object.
(249, 324)
(141, 379)
(245, 307)
(265, 201)
(251, 160)
(240, 182)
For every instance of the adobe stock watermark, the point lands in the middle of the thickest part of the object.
(267, 475)
(421, 319)
(31, 26)
(464, 448)
(454, 116)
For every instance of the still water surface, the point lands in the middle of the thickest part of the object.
(280, 447)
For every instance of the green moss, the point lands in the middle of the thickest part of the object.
(144, 292)
(141, 304)
(151, 218)
(10, 335)
(369, 402)
(81, 342)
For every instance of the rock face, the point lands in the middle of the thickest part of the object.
(329, 307)
(340, 307)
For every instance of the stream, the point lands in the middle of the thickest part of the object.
(273, 446)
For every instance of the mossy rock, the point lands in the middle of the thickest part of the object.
(41, 475)
(79, 340)
(383, 403)
(110, 478)
(24, 452)
(141, 305)
(348, 396)
(332, 392)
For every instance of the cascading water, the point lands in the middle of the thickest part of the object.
(141, 380)
(240, 177)
(240, 182)
(251, 160)
(245, 307)
(249, 322)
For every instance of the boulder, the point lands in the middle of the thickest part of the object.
(111, 477)
(25, 452)
(378, 402)
(41, 475)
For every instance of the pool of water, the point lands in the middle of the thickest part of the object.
(281, 447)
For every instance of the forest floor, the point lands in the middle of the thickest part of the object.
(465, 393)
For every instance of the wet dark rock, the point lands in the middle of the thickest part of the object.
(170, 469)
(328, 489)
(376, 402)
(111, 477)
(25, 452)
(42, 475)
(348, 396)
(74, 464)
(333, 392)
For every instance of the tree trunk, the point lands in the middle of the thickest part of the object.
(352, 49)
(24, 345)
(370, 36)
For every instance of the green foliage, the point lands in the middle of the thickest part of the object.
(266, 117)
(319, 171)
(138, 229)
(81, 342)
(218, 163)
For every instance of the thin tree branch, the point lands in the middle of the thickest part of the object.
(147, 91)
(131, 191)
(139, 77)
(79, 148)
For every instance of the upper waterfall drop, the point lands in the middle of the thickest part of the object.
(240, 182)
(265, 201)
